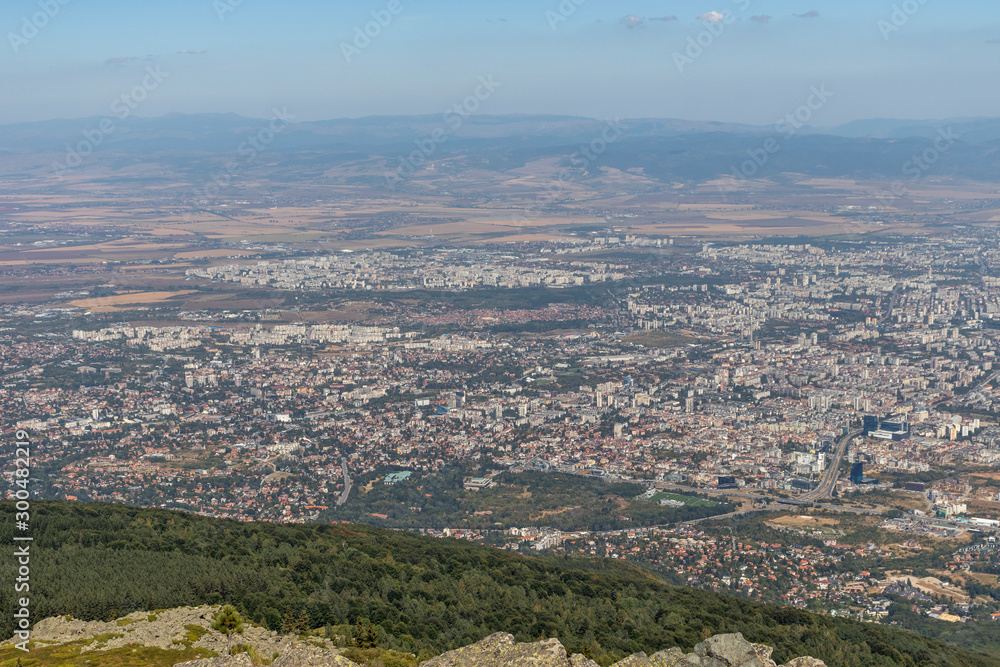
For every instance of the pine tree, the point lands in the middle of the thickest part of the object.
(228, 622)
(365, 635)
(288, 622)
(302, 624)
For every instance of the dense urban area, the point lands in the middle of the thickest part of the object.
(807, 424)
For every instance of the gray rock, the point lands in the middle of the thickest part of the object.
(804, 662)
(703, 661)
(671, 656)
(500, 650)
(182, 627)
(63, 629)
(635, 660)
(241, 660)
(733, 651)
(191, 627)
(296, 657)
(311, 657)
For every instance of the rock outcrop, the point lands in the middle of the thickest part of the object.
(295, 657)
(190, 628)
(169, 629)
(501, 650)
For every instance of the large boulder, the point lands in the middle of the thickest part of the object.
(669, 658)
(718, 651)
(733, 651)
(296, 657)
(241, 660)
(190, 627)
(501, 650)
(311, 657)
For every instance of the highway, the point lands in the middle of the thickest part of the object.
(347, 483)
(982, 385)
(826, 483)
(786, 506)
(821, 492)
(814, 498)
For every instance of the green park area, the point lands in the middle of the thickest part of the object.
(513, 499)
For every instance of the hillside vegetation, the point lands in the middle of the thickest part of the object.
(98, 562)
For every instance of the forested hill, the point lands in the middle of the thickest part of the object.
(97, 562)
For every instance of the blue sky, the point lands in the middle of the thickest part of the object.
(601, 59)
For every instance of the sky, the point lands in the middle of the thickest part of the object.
(746, 61)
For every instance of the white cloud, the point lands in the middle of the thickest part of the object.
(712, 17)
(121, 60)
(632, 21)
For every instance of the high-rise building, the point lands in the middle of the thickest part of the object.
(895, 426)
(858, 473)
(870, 424)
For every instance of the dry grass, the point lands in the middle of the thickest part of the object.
(455, 228)
(910, 501)
(107, 303)
(932, 586)
(803, 521)
(547, 513)
(981, 506)
(986, 579)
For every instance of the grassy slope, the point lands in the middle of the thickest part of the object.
(71, 654)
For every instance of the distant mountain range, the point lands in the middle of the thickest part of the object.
(667, 149)
(971, 130)
(221, 132)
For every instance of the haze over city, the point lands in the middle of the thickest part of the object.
(594, 59)
(566, 333)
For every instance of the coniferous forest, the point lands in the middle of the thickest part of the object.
(419, 594)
